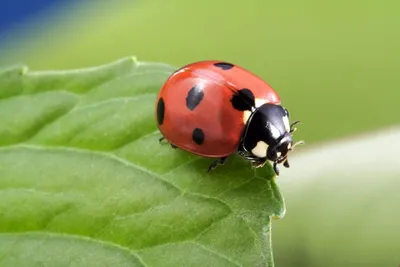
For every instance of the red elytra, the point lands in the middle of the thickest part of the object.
(196, 110)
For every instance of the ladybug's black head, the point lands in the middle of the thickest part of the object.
(268, 136)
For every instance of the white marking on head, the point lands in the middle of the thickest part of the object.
(278, 154)
(285, 120)
(246, 116)
(259, 102)
(274, 131)
(260, 150)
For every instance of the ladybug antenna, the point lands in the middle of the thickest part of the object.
(297, 143)
(292, 130)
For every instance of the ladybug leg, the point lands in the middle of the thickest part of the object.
(286, 164)
(246, 155)
(259, 162)
(213, 165)
(163, 138)
(256, 162)
(276, 169)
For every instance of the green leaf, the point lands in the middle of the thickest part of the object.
(85, 182)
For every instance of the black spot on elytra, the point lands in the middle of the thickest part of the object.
(160, 111)
(194, 97)
(198, 136)
(224, 65)
(243, 100)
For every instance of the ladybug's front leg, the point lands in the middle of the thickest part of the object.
(259, 162)
(256, 162)
(213, 165)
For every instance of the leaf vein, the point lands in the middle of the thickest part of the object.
(217, 254)
(79, 237)
(112, 100)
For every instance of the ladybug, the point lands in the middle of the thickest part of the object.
(214, 109)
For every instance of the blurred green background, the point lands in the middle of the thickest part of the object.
(335, 65)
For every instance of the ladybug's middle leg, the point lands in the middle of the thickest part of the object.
(163, 138)
(219, 161)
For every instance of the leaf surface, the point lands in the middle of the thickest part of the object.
(85, 182)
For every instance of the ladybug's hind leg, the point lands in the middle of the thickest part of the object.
(163, 138)
(213, 165)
